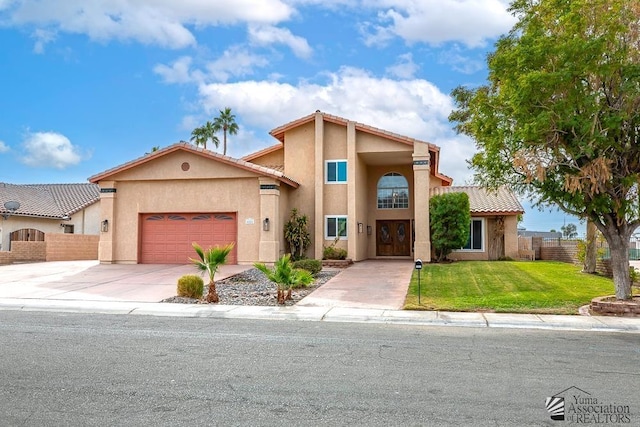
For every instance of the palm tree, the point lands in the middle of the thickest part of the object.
(210, 261)
(206, 132)
(226, 122)
(285, 276)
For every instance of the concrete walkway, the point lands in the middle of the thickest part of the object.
(378, 284)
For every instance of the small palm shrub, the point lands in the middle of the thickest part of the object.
(190, 286)
(285, 276)
(209, 261)
(313, 266)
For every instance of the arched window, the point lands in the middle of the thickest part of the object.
(393, 192)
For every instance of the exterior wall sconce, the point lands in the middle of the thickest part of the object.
(369, 230)
(12, 207)
(265, 224)
(104, 226)
(360, 227)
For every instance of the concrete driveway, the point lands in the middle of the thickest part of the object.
(376, 284)
(92, 281)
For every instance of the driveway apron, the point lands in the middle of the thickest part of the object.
(91, 281)
(366, 284)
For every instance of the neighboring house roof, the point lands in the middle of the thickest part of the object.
(543, 234)
(56, 201)
(483, 201)
(185, 146)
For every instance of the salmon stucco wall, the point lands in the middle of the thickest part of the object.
(299, 158)
(181, 182)
(190, 196)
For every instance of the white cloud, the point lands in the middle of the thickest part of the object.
(415, 108)
(459, 62)
(3, 147)
(178, 72)
(159, 22)
(42, 37)
(234, 62)
(50, 149)
(434, 22)
(269, 35)
(404, 68)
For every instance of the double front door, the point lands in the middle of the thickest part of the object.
(393, 237)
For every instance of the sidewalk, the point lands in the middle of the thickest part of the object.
(368, 292)
(332, 314)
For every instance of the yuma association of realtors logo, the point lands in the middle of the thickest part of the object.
(577, 406)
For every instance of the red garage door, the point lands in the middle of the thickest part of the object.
(167, 238)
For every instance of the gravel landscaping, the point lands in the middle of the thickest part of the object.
(251, 287)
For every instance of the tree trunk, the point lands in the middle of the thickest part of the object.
(590, 256)
(280, 295)
(212, 295)
(224, 150)
(288, 297)
(619, 249)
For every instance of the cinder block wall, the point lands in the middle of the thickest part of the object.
(6, 257)
(71, 247)
(28, 251)
(560, 253)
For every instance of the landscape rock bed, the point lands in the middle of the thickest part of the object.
(251, 287)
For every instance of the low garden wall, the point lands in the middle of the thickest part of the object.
(610, 306)
(71, 247)
(28, 251)
(337, 263)
(568, 253)
(6, 257)
(56, 247)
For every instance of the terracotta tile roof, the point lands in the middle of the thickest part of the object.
(186, 146)
(49, 200)
(278, 132)
(264, 151)
(484, 201)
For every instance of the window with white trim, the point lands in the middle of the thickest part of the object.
(335, 172)
(476, 236)
(335, 226)
(393, 191)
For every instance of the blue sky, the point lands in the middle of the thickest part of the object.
(89, 84)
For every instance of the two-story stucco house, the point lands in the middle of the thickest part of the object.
(365, 186)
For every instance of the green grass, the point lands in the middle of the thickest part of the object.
(505, 286)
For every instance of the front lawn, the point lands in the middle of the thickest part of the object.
(505, 286)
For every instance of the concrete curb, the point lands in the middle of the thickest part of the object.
(331, 314)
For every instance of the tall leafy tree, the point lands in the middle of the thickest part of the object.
(225, 122)
(569, 231)
(449, 218)
(204, 133)
(559, 118)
